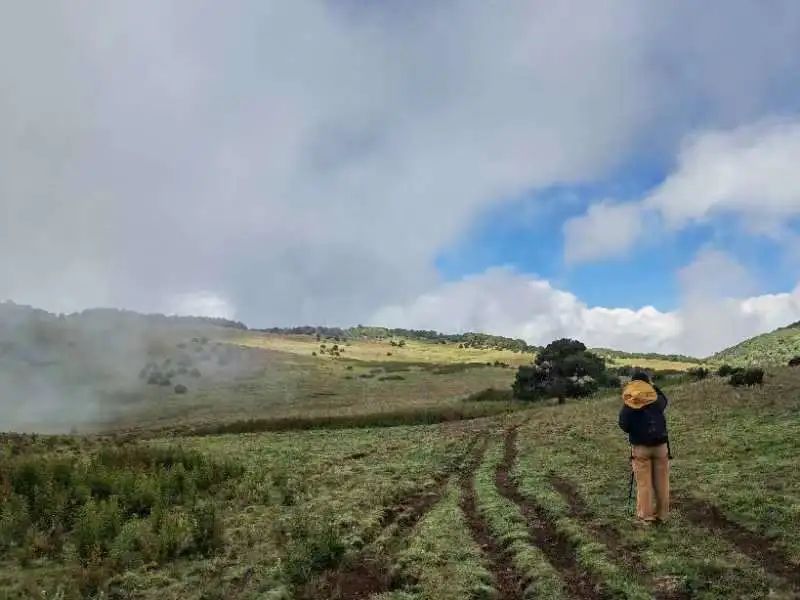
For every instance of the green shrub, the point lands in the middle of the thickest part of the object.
(725, 370)
(120, 506)
(698, 373)
(748, 377)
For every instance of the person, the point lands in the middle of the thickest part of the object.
(642, 418)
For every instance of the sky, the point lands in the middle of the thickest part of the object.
(618, 171)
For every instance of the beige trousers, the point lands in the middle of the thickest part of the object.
(651, 469)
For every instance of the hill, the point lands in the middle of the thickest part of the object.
(774, 348)
(534, 501)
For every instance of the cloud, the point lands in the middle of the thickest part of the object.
(748, 171)
(200, 304)
(504, 302)
(308, 160)
(605, 231)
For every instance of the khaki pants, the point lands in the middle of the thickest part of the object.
(651, 468)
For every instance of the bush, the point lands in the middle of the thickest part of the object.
(794, 362)
(120, 506)
(698, 373)
(181, 389)
(391, 378)
(749, 377)
(725, 371)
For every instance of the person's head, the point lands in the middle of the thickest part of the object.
(641, 376)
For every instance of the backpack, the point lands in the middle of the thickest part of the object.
(649, 425)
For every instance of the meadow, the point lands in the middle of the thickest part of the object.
(529, 503)
(221, 462)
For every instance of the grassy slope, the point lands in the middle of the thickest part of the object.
(734, 448)
(309, 500)
(774, 348)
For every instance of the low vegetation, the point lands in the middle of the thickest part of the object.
(770, 349)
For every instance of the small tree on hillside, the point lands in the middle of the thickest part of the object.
(564, 369)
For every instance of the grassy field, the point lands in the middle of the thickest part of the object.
(371, 350)
(774, 348)
(525, 505)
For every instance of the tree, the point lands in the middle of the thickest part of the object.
(563, 369)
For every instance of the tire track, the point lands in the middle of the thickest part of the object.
(509, 584)
(555, 546)
(628, 553)
(758, 548)
(369, 574)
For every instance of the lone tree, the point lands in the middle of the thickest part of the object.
(563, 369)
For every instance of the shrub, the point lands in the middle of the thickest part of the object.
(698, 373)
(391, 378)
(749, 377)
(194, 373)
(181, 389)
(725, 370)
(794, 362)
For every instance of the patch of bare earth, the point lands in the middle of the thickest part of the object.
(508, 582)
(760, 549)
(628, 553)
(367, 574)
(555, 546)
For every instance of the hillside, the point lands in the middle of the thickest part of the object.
(534, 501)
(774, 348)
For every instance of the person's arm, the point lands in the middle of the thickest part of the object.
(624, 420)
(662, 399)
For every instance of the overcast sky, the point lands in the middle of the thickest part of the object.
(621, 171)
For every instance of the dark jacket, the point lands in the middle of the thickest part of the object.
(642, 415)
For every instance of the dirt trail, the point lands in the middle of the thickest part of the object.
(553, 544)
(760, 549)
(372, 574)
(509, 584)
(627, 552)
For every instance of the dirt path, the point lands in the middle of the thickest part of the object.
(370, 574)
(508, 583)
(626, 552)
(553, 544)
(760, 549)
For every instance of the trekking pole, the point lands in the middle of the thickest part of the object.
(630, 482)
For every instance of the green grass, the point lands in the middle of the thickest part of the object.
(508, 526)
(301, 472)
(734, 448)
(442, 562)
(775, 349)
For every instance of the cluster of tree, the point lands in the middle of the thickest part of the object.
(466, 340)
(116, 314)
(608, 353)
(318, 331)
(563, 369)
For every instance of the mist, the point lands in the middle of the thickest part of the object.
(84, 371)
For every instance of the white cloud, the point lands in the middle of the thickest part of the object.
(200, 304)
(749, 171)
(308, 160)
(504, 302)
(606, 230)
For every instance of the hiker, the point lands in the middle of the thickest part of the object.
(642, 418)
